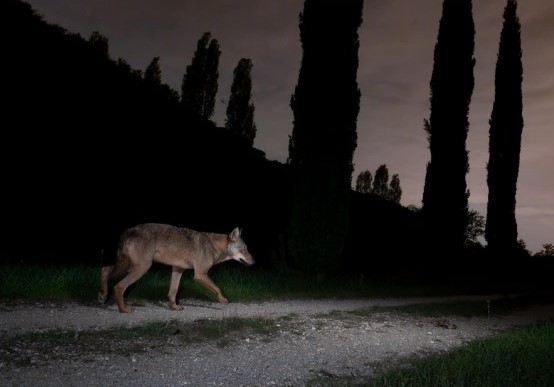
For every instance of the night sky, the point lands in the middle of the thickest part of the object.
(397, 39)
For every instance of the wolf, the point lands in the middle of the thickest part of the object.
(179, 247)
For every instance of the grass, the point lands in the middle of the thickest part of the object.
(518, 358)
(497, 307)
(45, 347)
(220, 331)
(439, 309)
(80, 283)
(33, 282)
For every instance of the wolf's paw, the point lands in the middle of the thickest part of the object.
(126, 309)
(102, 298)
(174, 306)
(222, 300)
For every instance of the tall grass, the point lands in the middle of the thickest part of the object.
(36, 282)
(238, 283)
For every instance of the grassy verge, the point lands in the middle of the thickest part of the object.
(519, 358)
(218, 331)
(80, 283)
(45, 347)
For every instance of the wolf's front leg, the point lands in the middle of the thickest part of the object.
(105, 273)
(205, 281)
(173, 288)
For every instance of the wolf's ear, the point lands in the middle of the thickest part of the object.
(235, 234)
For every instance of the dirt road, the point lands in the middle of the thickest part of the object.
(309, 339)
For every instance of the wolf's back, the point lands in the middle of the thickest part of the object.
(162, 243)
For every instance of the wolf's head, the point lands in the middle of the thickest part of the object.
(237, 249)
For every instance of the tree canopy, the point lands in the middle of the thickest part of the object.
(445, 195)
(200, 81)
(506, 126)
(325, 107)
(240, 110)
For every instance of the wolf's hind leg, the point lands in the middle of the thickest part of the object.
(173, 288)
(134, 275)
(104, 277)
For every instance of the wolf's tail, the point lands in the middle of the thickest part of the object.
(123, 261)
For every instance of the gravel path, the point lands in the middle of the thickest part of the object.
(311, 339)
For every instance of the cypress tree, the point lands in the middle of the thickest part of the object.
(240, 111)
(506, 125)
(445, 198)
(325, 107)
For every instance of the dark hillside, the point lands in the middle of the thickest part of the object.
(384, 238)
(88, 148)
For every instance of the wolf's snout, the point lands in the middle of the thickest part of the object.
(246, 258)
(247, 263)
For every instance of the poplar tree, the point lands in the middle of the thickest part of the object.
(100, 43)
(506, 126)
(325, 106)
(445, 196)
(153, 73)
(240, 110)
(395, 192)
(380, 186)
(381, 181)
(160, 92)
(200, 81)
(363, 182)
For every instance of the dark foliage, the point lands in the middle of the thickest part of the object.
(380, 186)
(364, 182)
(506, 125)
(384, 237)
(240, 110)
(90, 147)
(445, 197)
(381, 182)
(200, 81)
(325, 106)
